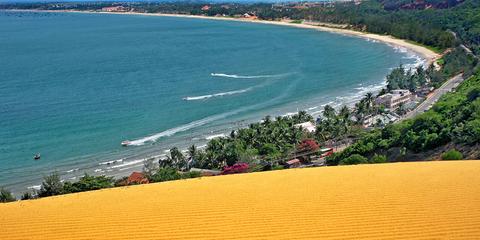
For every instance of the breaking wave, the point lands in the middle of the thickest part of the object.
(216, 95)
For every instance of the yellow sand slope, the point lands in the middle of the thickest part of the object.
(426, 200)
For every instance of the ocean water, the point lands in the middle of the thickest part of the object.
(74, 86)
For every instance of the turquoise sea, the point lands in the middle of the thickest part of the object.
(74, 86)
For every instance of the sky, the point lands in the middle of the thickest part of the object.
(6, 1)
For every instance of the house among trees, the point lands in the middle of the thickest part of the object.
(249, 16)
(205, 172)
(395, 98)
(380, 120)
(294, 163)
(206, 8)
(424, 91)
(307, 126)
(114, 9)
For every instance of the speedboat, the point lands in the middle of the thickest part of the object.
(125, 143)
(37, 156)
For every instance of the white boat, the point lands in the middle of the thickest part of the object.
(125, 143)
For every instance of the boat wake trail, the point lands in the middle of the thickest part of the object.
(185, 127)
(244, 77)
(204, 121)
(216, 95)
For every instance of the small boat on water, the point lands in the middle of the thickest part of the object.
(37, 156)
(125, 143)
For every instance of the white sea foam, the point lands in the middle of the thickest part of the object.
(316, 113)
(111, 162)
(72, 170)
(127, 164)
(244, 77)
(400, 49)
(130, 167)
(35, 187)
(215, 136)
(289, 114)
(216, 94)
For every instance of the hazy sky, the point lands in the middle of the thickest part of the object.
(3, 1)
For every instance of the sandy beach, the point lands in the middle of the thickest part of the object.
(429, 55)
(425, 53)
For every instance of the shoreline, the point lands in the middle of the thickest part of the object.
(428, 55)
(136, 164)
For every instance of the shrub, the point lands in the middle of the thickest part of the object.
(193, 174)
(378, 159)
(277, 167)
(473, 94)
(120, 182)
(452, 155)
(51, 186)
(27, 196)
(354, 159)
(88, 183)
(165, 174)
(6, 196)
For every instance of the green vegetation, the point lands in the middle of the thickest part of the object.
(6, 196)
(452, 155)
(27, 196)
(353, 159)
(400, 78)
(51, 186)
(431, 48)
(455, 118)
(377, 158)
(88, 183)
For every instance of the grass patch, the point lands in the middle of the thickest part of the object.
(434, 49)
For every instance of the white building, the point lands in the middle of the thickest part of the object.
(307, 126)
(395, 98)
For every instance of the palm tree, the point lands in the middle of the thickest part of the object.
(345, 121)
(192, 152)
(360, 111)
(303, 116)
(344, 113)
(329, 112)
(267, 120)
(369, 101)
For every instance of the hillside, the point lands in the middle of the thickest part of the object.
(424, 200)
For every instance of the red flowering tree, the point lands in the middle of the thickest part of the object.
(308, 145)
(235, 168)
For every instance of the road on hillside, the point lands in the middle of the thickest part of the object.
(433, 98)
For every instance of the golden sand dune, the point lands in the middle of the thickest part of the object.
(426, 200)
